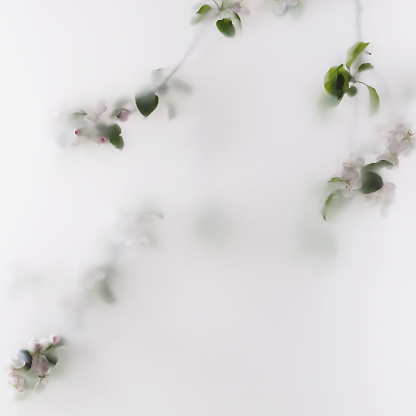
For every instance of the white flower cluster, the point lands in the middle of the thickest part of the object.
(354, 170)
(31, 370)
(398, 142)
(87, 123)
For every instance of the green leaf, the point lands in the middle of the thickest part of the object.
(112, 133)
(117, 142)
(204, 9)
(352, 91)
(336, 179)
(52, 359)
(26, 357)
(237, 20)
(336, 81)
(364, 67)
(374, 99)
(226, 27)
(147, 103)
(354, 51)
(329, 201)
(371, 181)
(376, 165)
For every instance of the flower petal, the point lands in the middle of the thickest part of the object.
(356, 184)
(54, 339)
(101, 108)
(41, 364)
(40, 386)
(16, 364)
(347, 192)
(34, 344)
(394, 143)
(123, 115)
(403, 147)
(348, 173)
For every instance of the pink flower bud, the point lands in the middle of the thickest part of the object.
(54, 339)
(102, 139)
(123, 115)
(78, 132)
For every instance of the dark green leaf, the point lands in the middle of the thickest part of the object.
(204, 9)
(352, 91)
(336, 179)
(377, 165)
(112, 133)
(117, 142)
(147, 103)
(364, 67)
(374, 99)
(226, 27)
(336, 81)
(371, 181)
(26, 357)
(329, 201)
(354, 51)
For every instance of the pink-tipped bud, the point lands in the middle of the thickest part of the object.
(102, 139)
(123, 115)
(78, 132)
(54, 339)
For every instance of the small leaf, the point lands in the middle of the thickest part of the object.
(204, 9)
(336, 81)
(374, 99)
(112, 133)
(352, 91)
(364, 67)
(354, 51)
(371, 181)
(226, 27)
(376, 165)
(147, 103)
(237, 20)
(329, 201)
(117, 142)
(336, 179)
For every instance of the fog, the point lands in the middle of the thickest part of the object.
(225, 291)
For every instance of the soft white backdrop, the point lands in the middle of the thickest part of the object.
(272, 311)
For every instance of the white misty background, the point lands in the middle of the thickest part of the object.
(251, 304)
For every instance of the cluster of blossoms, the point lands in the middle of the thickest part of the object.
(99, 126)
(30, 371)
(355, 175)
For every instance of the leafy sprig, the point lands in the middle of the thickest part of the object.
(226, 13)
(341, 80)
(355, 175)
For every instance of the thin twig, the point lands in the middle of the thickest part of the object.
(179, 64)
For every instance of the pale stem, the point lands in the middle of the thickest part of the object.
(179, 64)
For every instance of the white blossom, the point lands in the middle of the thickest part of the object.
(280, 6)
(395, 148)
(350, 180)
